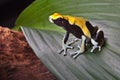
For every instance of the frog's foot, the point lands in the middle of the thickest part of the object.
(67, 46)
(73, 41)
(95, 47)
(64, 49)
(77, 53)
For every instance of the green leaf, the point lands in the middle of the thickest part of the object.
(103, 65)
(36, 15)
(45, 39)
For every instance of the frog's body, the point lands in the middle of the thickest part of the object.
(81, 29)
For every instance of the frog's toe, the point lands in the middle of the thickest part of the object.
(99, 48)
(60, 51)
(64, 50)
(76, 54)
(69, 47)
(65, 54)
(95, 47)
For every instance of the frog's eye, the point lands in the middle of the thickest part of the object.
(62, 22)
(59, 19)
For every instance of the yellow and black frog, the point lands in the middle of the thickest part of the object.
(81, 29)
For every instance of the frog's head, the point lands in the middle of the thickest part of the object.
(58, 19)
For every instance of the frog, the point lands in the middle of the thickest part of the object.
(83, 31)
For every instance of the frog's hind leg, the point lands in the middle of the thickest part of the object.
(81, 48)
(98, 41)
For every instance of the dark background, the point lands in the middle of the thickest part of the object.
(10, 10)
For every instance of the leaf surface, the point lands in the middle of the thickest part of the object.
(46, 38)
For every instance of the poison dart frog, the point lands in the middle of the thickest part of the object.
(82, 29)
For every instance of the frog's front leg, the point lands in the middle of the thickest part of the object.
(66, 46)
(82, 48)
(97, 41)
